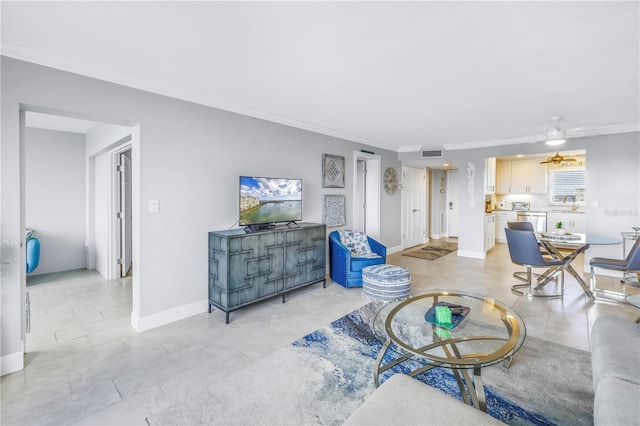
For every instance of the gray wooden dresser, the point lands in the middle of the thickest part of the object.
(245, 268)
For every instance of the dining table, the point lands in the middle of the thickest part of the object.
(569, 245)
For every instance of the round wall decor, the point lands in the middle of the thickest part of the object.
(390, 181)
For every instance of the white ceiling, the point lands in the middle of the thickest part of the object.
(396, 75)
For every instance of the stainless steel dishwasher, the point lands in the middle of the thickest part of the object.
(538, 219)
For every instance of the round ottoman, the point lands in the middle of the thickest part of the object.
(385, 283)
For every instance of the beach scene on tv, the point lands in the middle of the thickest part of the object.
(269, 200)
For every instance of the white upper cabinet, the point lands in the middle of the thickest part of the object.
(490, 175)
(503, 177)
(521, 177)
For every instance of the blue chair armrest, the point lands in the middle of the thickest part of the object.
(377, 247)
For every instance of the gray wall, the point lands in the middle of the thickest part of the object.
(188, 157)
(55, 197)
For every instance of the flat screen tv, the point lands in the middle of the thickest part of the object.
(266, 201)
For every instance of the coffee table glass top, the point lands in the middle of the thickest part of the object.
(491, 331)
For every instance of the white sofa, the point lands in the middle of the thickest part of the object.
(403, 400)
(615, 363)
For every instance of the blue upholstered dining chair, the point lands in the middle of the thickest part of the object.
(349, 252)
(524, 250)
(630, 264)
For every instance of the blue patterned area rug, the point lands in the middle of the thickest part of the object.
(323, 377)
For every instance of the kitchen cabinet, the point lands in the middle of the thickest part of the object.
(489, 232)
(501, 220)
(490, 175)
(503, 177)
(521, 177)
(574, 223)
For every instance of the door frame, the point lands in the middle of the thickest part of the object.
(372, 192)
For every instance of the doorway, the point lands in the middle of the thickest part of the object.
(366, 194)
(99, 136)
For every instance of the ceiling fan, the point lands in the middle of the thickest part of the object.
(557, 159)
(554, 136)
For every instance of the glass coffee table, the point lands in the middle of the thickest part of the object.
(491, 332)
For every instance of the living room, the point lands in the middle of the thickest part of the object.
(188, 155)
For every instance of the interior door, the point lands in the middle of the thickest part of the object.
(453, 184)
(414, 210)
(125, 213)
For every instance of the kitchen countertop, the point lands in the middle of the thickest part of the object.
(542, 210)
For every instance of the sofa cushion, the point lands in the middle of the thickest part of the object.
(615, 350)
(617, 402)
(356, 242)
(403, 400)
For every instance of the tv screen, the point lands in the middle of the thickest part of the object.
(269, 200)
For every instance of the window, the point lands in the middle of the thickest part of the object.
(568, 186)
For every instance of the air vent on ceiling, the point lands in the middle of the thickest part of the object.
(433, 153)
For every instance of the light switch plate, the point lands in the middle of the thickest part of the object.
(154, 206)
(594, 203)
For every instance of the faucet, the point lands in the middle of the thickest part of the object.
(574, 206)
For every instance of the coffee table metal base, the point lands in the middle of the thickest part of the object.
(471, 388)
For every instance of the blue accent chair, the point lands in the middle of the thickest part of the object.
(33, 254)
(345, 268)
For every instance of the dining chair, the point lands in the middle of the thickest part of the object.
(630, 264)
(522, 275)
(524, 250)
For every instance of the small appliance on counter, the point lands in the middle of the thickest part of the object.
(504, 205)
(520, 205)
(487, 206)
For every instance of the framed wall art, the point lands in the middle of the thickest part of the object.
(332, 171)
(333, 210)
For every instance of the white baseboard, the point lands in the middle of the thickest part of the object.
(141, 324)
(395, 249)
(438, 236)
(472, 254)
(12, 362)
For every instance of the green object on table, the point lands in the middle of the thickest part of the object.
(442, 333)
(443, 314)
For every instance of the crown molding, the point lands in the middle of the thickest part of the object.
(28, 53)
(409, 148)
(569, 134)
(25, 52)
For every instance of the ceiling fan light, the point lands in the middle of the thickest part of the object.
(555, 141)
(555, 136)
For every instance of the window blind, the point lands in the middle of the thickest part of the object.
(568, 184)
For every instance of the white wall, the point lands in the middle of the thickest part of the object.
(188, 157)
(55, 197)
(438, 209)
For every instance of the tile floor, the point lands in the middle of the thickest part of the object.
(86, 365)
